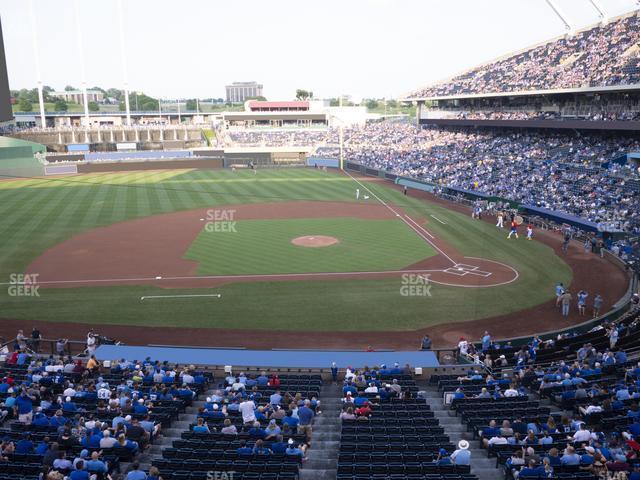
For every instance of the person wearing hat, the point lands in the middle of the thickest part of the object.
(82, 457)
(216, 412)
(587, 457)
(272, 431)
(293, 450)
(462, 456)
(334, 372)
(443, 458)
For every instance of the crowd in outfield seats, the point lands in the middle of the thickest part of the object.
(600, 56)
(546, 115)
(281, 138)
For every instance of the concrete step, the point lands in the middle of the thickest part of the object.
(487, 473)
(457, 429)
(439, 408)
(446, 421)
(317, 474)
(156, 449)
(182, 424)
(165, 440)
(321, 463)
(429, 394)
(329, 436)
(323, 444)
(325, 428)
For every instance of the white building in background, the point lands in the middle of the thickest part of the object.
(76, 96)
(238, 92)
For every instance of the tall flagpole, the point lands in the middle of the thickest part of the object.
(36, 61)
(83, 75)
(123, 57)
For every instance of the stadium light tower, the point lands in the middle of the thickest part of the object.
(83, 75)
(36, 61)
(561, 16)
(123, 57)
(598, 6)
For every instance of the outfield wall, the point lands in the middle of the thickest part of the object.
(17, 158)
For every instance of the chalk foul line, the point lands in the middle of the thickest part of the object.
(416, 227)
(150, 297)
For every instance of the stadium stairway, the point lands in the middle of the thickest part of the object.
(322, 457)
(483, 467)
(178, 426)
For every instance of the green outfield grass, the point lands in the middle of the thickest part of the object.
(264, 247)
(39, 213)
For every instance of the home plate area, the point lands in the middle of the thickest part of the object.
(462, 269)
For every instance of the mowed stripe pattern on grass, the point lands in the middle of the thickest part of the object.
(39, 213)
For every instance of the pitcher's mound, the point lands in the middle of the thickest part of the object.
(314, 241)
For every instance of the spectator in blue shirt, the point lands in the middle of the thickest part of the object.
(201, 427)
(462, 456)
(290, 420)
(95, 465)
(443, 458)
(24, 445)
(279, 447)
(486, 341)
(276, 398)
(24, 407)
(293, 450)
(305, 418)
(43, 446)
(262, 379)
(570, 457)
(79, 473)
(136, 473)
(243, 449)
(256, 431)
(533, 470)
(260, 449)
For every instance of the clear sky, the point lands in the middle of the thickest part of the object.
(192, 48)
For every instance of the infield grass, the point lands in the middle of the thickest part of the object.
(264, 247)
